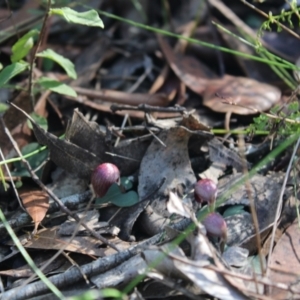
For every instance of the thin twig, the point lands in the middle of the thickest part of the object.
(252, 205)
(121, 156)
(33, 58)
(157, 138)
(121, 129)
(148, 108)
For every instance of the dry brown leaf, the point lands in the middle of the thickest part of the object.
(49, 239)
(285, 258)
(36, 204)
(194, 74)
(240, 95)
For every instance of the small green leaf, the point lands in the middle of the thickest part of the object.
(18, 184)
(65, 63)
(41, 121)
(111, 293)
(234, 210)
(11, 71)
(34, 161)
(56, 86)
(99, 294)
(21, 48)
(126, 183)
(125, 200)
(3, 107)
(113, 192)
(116, 197)
(88, 18)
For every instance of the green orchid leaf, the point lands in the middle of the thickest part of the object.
(125, 200)
(234, 210)
(115, 196)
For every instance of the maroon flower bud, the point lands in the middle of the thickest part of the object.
(103, 177)
(215, 226)
(206, 192)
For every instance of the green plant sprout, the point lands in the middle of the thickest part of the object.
(282, 122)
(284, 16)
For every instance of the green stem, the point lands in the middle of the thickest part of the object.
(236, 131)
(283, 63)
(11, 160)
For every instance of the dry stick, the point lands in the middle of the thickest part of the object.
(33, 58)
(252, 209)
(279, 205)
(105, 108)
(156, 137)
(230, 15)
(122, 97)
(148, 108)
(121, 156)
(52, 195)
(75, 264)
(121, 129)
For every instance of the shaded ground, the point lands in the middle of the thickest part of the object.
(167, 112)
